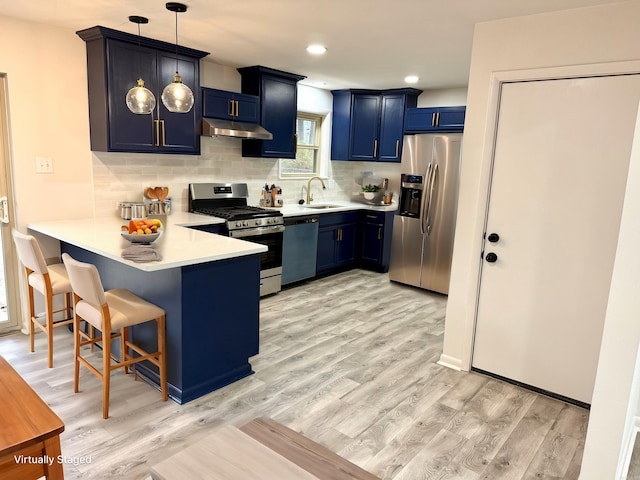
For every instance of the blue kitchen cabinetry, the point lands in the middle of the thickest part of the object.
(375, 247)
(237, 107)
(442, 119)
(337, 241)
(278, 93)
(368, 125)
(212, 318)
(115, 60)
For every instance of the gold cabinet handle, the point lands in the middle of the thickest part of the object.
(375, 148)
(231, 108)
(397, 148)
(295, 149)
(433, 119)
(339, 235)
(379, 233)
(237, 108)
(157, 142)
(164, 136)
(438, 119)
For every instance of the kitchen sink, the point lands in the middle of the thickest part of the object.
(319, 207)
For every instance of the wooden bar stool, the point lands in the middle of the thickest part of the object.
(49, 280)
(112, 311)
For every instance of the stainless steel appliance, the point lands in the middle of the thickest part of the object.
(423, 227)
(254, 224)
(300, 248)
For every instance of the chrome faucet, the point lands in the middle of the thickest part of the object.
(309, 196)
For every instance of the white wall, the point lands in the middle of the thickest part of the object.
(48, 117)
(574, 37)
(614, 401)
(444, 97)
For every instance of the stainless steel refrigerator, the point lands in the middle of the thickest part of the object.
(424, 226)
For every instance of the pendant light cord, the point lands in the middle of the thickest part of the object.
(176, 12)
(139, 59)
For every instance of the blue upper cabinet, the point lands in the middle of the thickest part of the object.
(365, 127)
(441, 119)
(278, 94)
(237, 107)
(368, 125)
(115, 60)
(391, 125)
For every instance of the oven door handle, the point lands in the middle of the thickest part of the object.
(253, 232)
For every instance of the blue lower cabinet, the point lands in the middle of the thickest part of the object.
(375, 247)
(212, 318)
(337, 242)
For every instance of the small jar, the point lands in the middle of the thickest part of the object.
(125, 210)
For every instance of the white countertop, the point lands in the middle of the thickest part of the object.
(179, 246)
(333, 207)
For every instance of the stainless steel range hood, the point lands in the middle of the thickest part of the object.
(214, 127)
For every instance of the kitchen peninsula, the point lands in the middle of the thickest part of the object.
(208, 285)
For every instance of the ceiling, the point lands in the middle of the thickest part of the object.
(370, 43)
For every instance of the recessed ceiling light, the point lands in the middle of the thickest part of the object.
(316, 49)
(411, 79)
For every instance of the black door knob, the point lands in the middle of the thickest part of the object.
(491, 257)
(493, 237)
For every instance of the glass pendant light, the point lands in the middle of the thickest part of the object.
(176, 96)
(140, 99)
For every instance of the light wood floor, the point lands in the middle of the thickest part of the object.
(349, 361)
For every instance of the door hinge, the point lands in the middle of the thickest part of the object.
(4, 210)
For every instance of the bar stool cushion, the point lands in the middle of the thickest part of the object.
(59, 280)
(125, 308)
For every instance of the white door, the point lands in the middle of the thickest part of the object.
(10, 308)
(560, 166)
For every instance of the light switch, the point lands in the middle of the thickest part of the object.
(44, 165)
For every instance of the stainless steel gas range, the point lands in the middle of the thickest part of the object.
(254, 224)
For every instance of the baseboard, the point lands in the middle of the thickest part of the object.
(450, 362)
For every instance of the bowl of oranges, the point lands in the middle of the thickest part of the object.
(142, 230)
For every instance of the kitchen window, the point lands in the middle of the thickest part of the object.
(307, 161)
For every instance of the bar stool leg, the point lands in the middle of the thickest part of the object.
(162, 354)
(106, 372)
(32, 314)
(124, 338)
(76, 353)
(48, 319)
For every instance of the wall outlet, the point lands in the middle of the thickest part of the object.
(44, 165)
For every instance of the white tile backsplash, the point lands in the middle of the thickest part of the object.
(121, 177)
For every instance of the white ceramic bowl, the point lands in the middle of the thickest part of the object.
(141, 238)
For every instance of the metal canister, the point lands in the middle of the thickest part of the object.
(138, 210)
(125, 210)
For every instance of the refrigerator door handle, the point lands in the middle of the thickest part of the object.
(424, 207)
(432, 186)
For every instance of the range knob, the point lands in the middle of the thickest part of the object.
(245, 224)
(258, 222)
(238, 224)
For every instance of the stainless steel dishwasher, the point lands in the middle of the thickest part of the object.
(299, 247)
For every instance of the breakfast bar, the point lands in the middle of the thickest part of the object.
(207, 284)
